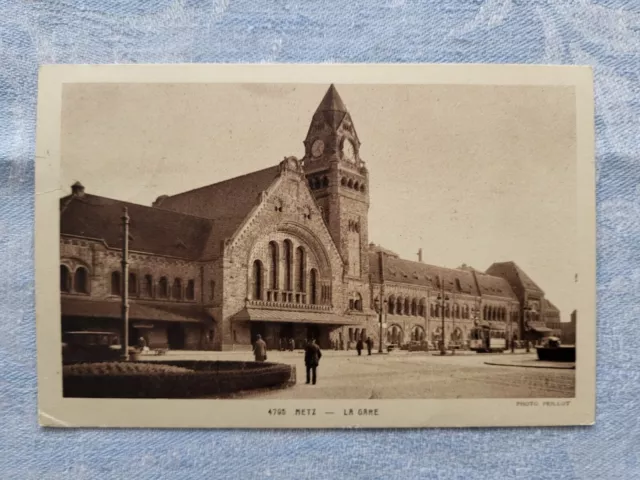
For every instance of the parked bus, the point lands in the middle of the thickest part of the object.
(485, 339)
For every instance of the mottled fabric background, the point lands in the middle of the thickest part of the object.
(605, 34)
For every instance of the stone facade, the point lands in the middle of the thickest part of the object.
(283, 252)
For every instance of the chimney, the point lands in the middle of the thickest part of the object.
(420, 255)
(77, 189)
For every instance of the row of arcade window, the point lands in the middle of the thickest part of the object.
(318, 182)
(355, 301)
(350, 183)
(78, 282)
(148, 289)
(406, 306)
(450, 311)
(494, 313)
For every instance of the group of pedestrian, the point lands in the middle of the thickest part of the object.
(360, 345)
(287, 344)
(312, 355)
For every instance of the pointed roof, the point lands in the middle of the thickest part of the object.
(332, 102)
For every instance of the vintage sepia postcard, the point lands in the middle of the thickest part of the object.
(295, 246)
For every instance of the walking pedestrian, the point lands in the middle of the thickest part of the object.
(260, 349)
(359, 346)
(312, 355)
(369, 345)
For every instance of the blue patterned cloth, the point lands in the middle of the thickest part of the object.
(604, 33)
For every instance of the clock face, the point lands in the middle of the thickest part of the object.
(317, 148)
(348, 151)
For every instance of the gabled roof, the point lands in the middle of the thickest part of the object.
(496, 286)
(511, 270)
(548, 306)
(152, 230)
(227, 203)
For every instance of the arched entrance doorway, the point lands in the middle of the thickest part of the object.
(395, 335)
(418, 334)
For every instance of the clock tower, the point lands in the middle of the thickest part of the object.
(339, 180)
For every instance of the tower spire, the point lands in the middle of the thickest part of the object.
(332, 101)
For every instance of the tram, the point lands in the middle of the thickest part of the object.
(484, 339)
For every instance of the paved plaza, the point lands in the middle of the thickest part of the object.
(404, 374)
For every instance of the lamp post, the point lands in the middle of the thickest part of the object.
(526, 314)
(125, 282)
(380, 309)
(442, 298)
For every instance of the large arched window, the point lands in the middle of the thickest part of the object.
(65, 279)
(407, 306)
(146, 289)
(116, 283)
(314, 286)
(300, 269)
(399, 305)
(191, 290)
(422, 307)
(81, 280)
(257, 280)
(176, 291)
(133, 284)
(274, 260)
(414, 307)
(288, 257)
(163, 288)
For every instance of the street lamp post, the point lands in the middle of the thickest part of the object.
(125, 282)
(442, 298)
(526, 313)
(380, 308)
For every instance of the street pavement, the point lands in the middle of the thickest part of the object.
(402, 374)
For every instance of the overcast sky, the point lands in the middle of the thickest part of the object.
(470, 174)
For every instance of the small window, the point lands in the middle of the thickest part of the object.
(81, 280)
(176, 291)
(116, 283)
(212, 289)
(133, 284)
(147, 286)
(65, 279)
(163, 288)
(191, 290)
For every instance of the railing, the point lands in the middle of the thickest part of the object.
(286, 296)
(283, 304)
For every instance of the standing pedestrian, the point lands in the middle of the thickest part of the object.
(369, 345)
(312, 355)
(292, 344)
(359, 346)
(260, 349)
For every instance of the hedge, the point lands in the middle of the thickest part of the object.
(173, 379)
